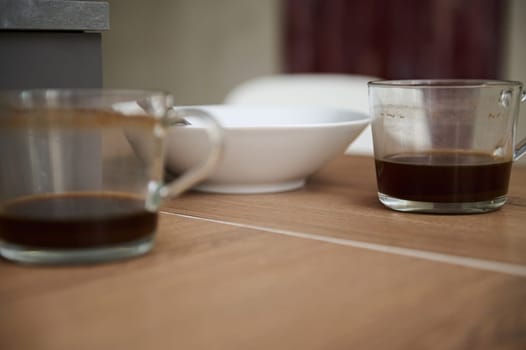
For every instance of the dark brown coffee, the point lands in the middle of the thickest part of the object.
(443, 177)
(75, 220)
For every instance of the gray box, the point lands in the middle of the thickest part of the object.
(51, 44)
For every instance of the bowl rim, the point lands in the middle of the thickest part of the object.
(358, 118)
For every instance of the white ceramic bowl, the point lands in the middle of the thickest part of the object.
(267, 149)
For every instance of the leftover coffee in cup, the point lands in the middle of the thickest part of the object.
(82, 172)
(444, 146)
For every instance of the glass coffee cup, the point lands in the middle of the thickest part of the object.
(445, 146)
(82, 172)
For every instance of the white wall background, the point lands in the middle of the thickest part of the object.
(514, 60)
(196, 49)
(200, 49)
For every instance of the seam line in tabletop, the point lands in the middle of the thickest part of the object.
(480, 264)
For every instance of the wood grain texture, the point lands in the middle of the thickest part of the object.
(208, 285)
(213, 286)
(341, 201)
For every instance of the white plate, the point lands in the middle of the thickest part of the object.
(267, 149)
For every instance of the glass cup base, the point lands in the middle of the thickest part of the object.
(399, 204)
(34, 255)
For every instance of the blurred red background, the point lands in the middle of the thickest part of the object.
(395, 39)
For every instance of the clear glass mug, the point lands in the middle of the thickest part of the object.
(81, 172)
(445, 146)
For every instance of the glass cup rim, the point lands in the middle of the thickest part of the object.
(74, 97)
(63, 92)
(443, 83)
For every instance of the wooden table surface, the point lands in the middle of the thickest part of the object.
(324, 267)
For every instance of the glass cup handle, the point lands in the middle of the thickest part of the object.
(199, 172)
(520, 149)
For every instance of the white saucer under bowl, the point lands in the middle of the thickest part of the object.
(266, 149)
